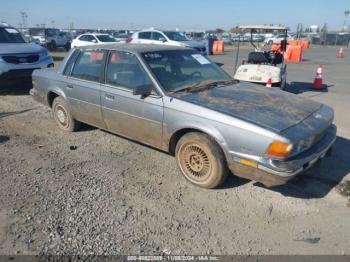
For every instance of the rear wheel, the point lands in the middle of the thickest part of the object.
(53, 45)
(201, 160)
(62, 115)
(67, 46)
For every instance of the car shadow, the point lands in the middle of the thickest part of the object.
(233, 181)
(4, 139)
(16, 87)
(319, 180)
(57, 58)
(85, 128)
(301, 87)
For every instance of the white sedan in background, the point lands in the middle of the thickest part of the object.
(277, 39)
(92, 39)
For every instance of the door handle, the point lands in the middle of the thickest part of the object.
(70, 86)
(109, 97)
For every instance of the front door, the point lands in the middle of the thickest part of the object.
(133, 116)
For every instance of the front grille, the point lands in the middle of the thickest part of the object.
(21, 59)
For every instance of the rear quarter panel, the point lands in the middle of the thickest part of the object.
(46, 81)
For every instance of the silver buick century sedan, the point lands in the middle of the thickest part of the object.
(177, 100)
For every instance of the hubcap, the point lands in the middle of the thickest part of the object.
(195, 162)
(61, 115)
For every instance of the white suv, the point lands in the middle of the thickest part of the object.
(174, 38)
(50, 37)
(17, 57)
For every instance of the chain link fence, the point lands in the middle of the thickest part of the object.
(336, 39)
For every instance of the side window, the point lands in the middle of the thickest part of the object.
(83, 38)
(124, 70)
(145, 35)
(88, 65)
(157, 36)
(70, 63)
(90, 38)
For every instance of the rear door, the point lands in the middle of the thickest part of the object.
(83, 87)
(133, 116)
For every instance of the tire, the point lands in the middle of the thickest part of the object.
(67, 47)
(270, 42)
(201, 160)
(62, 116)
(53, 45)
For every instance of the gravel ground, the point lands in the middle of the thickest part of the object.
(93, 192)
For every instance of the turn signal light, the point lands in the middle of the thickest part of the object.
(278, 149)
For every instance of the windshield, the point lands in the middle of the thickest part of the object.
(181, 69)
(10, 35)
(105, 38)
(176, 36)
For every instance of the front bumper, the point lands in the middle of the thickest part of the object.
(273, 173)
(10, 71)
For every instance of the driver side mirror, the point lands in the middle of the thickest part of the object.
(143, 90)
(94, 41)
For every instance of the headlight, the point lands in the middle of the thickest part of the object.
(279, 150)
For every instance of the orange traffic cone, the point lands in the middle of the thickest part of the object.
(340, 53)
(269, 82)
(318, 82)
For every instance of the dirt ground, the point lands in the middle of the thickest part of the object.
(93, 192)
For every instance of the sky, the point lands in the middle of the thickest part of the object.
(193, 15)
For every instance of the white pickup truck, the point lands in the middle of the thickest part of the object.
(52, 38)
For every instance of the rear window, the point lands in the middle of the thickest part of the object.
(10, 35)
(88, 65)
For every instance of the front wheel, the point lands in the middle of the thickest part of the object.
(67, 46)
(201, 160)
(53, 46)
(62, 115)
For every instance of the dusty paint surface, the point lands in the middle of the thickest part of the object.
(269, 108)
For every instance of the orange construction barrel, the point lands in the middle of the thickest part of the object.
(294, 53)
(218, 47)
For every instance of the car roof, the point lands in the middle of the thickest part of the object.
(135, 48)
(94, 34)
(4, 25)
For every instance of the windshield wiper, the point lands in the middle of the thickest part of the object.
(205, 85)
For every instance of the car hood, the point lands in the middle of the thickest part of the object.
(22, 48)
(269, 108)
(192, 43)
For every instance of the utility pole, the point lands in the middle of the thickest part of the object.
(24, 17)
(345, 27)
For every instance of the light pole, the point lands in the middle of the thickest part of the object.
(346, 13)
(24, 17)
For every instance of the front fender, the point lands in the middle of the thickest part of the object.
(195, 125)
